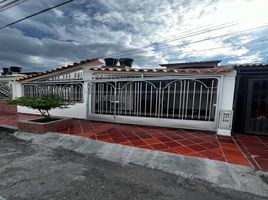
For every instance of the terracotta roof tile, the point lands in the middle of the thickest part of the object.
(194, 70)
(127, 69)
(58, 69)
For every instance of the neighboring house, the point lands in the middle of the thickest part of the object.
(7, 76)
(5, 87)
(251, 99)
(5, 82)
(180, 95)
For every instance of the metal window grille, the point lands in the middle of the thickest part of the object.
(77, 75)
(109, 76)
(70, 92)
(5, 90)
(176, 99)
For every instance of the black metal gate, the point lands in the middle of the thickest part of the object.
(257, 107)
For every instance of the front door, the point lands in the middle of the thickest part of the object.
(257, 107)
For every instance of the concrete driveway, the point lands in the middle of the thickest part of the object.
(29, 171)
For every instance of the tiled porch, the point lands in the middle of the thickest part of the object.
(239, 149)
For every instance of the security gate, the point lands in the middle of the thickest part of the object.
(162, 99)
(5, 90)
(257, 107)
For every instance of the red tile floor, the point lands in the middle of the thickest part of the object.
(239, 149)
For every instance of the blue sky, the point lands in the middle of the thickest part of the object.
(151, 32)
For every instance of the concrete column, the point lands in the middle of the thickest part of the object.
(87, 77)
(16, 89)
(226, 103)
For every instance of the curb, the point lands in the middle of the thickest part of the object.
(9, 127)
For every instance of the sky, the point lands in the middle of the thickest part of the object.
(151, 32)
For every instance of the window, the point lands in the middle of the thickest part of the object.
(70, 92)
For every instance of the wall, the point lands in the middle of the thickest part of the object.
(228, 86)
(77, 110)
(6, 108)
(37, 127)
(227, 98)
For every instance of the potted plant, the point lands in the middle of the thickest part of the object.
(43, 104)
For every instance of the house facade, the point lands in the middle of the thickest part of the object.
(180, 95)
(8, 75)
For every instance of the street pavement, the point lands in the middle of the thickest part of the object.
(31, 171)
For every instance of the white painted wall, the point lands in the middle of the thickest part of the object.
(16, 89)
(226, 98)
(228, 86)
(77, 110)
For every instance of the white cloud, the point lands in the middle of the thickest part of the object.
(82, 30)
(111, 18)
(58, 13)
(247, 59)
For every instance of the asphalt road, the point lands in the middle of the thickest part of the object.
(32, 172)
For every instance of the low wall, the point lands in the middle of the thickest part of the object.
(6, 108)
(78, 110)
(38, 127)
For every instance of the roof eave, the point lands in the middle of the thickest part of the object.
(163, 71)
(63, 69)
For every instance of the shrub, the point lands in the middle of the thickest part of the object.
(42, 103)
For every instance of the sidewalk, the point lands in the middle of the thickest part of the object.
(243, 150)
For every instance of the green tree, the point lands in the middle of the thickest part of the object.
(42, 103)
